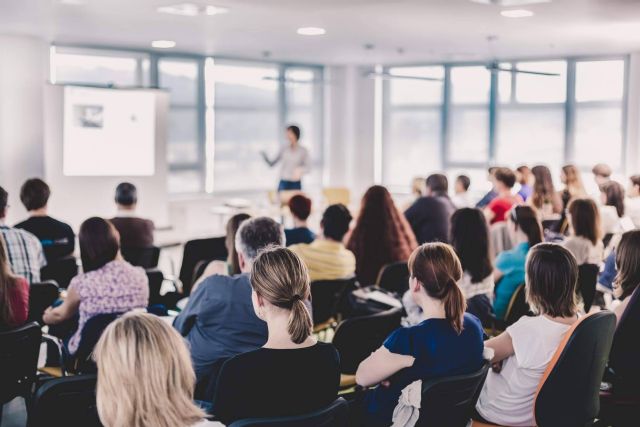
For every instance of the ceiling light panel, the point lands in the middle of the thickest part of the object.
(192, 9)
(511, 3)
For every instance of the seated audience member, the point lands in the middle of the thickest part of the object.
(462, 198)
(326, 257)
(525, 349)
(57, 238)
(585, 241)
(429, 216)
(24, 250)
(14, 294)
(447, 342)
(108, 283)
(381, 236)
(267, 382)
(608, 274)
(628, 263)
(145, 378)
(544, 197)
(219, 321)
(492, 194)
(300, 207)
(135, 232)
(524, 177)
(573, 189)
(526, 232)
(612, 210)
(632, 204)
(497, 209)
(601, 174)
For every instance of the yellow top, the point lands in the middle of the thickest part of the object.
(326, 259)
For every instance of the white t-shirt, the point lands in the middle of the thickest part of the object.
(585, 251)
(507, 397)
(207, 423)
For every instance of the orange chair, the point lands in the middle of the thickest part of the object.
(568, 394)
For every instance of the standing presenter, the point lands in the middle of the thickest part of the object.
(294, 161)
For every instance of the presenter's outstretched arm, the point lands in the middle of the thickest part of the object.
(270, 162)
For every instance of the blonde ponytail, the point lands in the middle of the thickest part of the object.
(300, 323)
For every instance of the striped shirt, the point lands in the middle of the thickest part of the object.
(326, 259)
(25, 253)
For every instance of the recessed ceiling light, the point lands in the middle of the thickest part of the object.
(73, 2)
(510, 3)
(311, 31)
(215, 10)
(191, 9)
(516, 13)
(163, 44)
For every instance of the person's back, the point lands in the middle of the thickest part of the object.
(135, 232)
(56, 237)
(300, 208)
(297, 235)
(429, 218)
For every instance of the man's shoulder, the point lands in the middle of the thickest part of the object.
(220, 283)
(8, 231)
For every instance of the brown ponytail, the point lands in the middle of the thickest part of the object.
(437, 267)
(279, 276)
(526, 219)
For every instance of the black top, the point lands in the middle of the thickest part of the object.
(430, 217)
(134, 232)
(274, 383)
(57, 238)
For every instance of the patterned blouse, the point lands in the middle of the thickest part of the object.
(114, 288)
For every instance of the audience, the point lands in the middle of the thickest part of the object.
(526, 232)
(267, 382)
(326, 257)
(57, 238)
(219, 321)
(492, 194)
(108, 284)
(628, 263)
(573, 188)
(612, 210)
(429, 215)
(447, 342)
(544, 197)
(24, 250)
(525, 178)
(14, 294)
(145, 378)
(381, 236)
(497, 209)
(585, 241)
(300, 207)
(135, 232)
(632, 203)
(462, 198)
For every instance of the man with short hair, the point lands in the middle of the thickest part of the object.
(300, 208)
(430, 216)
(219, 321)
(461, 198)
(57, 238)
(326, 257)
(135, 232)
(23, 248)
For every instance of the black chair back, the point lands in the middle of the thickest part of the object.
(155, 278)
(449, 401)
(61, 271)
(199, 250)
(358, 337)
(587, 280)
(518, 306)
(66, 401)
(394, 277)
(326, 296)
(335, 415)
(41, 296)
(141, 257)
(570, 389)
(89, 337)
(625, 351)
(481, 307)
(19, 350)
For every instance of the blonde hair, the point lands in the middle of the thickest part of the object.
(279, 276)
(145, 376)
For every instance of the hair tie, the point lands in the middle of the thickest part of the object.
(295, 298)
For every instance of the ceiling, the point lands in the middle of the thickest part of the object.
(400, 31)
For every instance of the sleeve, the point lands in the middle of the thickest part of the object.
(608, 274)
(520, 333)
(398, 342)
(411, 215)
(197, 302)
(71, 247)
(503, 261)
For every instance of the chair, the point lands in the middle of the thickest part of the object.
(199, 250)
(394, 277)
(41, 296)
(334, 195)
(67, 401)
(449, 401)
(82, 361)
(156, 278)
(587, 280)
(326, 296)
(19, 350)
(517, 307)
(335, 415)
(141, 257)
(62, 271)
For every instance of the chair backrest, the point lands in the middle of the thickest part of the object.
(335, 415)
(587, 280)
(141, 257)
(356, 338)
(62, 271)
(89, 337)
(19, 350)
(625, 351)
(568, 394)
(326, 296)
(155, 278)
(449, 401)
(394, 277)
(41, 296)
(517, 307)
(66, 401)
(333, 195)
(198, 250)
(481, 307)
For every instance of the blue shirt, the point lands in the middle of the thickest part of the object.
(608, 274)
(219, 322)
(511, 264)
(438, 350)
(525, 192)
(299, 235)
